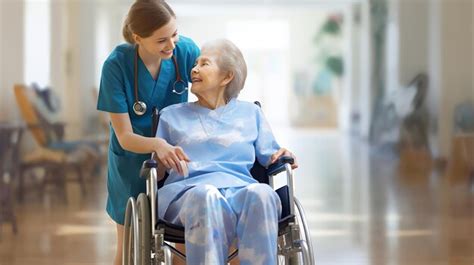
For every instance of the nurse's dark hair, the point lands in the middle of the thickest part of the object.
(144, 17)
(229, 59)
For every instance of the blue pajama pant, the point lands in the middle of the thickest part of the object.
(213, 218)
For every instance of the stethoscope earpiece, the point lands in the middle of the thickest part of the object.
(139, 107)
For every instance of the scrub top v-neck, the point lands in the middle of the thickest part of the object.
(116, 95)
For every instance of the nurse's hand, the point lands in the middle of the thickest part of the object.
(170, 156)
(283, 152)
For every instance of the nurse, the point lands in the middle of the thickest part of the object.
(151, 70)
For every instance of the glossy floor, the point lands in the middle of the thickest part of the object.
(362, 208)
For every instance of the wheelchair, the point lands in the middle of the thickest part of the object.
(149, 241)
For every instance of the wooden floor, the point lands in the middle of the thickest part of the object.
(362, 208)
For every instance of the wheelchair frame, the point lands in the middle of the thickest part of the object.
(146, 239)
(145, 244)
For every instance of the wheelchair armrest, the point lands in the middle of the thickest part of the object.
(147, 165)
(286, 192)
(279, 165)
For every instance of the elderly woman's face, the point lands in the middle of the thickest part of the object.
(206, 75)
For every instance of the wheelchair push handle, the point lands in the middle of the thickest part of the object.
(146, 167)
(279, 165)
(155, 117)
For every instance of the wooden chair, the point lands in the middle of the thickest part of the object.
(56, 156)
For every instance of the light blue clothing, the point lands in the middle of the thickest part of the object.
(219, 200)
(116, 95)
(213, 218)
(222, 145)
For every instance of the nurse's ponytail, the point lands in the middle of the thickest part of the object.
(144, 17)
(127, 33)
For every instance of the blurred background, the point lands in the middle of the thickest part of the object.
(375, 98)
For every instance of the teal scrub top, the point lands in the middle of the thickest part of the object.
(117, 95)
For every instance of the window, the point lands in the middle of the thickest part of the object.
(265, 45)
(37, 42)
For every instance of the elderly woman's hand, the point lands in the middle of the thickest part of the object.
(283, 152)
(171, 156)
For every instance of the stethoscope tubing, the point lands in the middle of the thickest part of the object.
(139, 107)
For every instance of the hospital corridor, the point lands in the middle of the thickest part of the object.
(360, 209)
(374, 98)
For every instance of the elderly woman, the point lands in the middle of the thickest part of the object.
(213, 195)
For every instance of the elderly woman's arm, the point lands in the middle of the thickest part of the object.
(267, 149)
(283, 152)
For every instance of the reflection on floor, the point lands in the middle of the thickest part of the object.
(361, 210)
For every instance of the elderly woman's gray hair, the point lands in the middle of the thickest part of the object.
(229, 59)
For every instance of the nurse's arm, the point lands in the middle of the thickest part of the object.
(170, 156)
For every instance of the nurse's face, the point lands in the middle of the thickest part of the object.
(162, 42)
(206, 76)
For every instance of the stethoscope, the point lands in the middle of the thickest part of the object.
(179, 85)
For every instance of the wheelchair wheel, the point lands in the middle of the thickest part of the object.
(144, 228)
(308, 252)
(137, 232)
(303, 242)
(128, 249)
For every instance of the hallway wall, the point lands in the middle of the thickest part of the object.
(456, 64)
(11, 55)
(436, 37)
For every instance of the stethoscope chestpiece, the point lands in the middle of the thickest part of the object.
(139, 107)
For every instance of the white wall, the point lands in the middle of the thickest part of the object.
(413, 39)
(72, 56)
(351, 93)
(79, 61)
(355, 70)
(87, 55)
(59, 53)
(434, 73)
(302, 55)
(456, 65)
(366, 53)
(11, 56)
(436, 37)
(392, 47)
(274, 91)
(76, 62)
